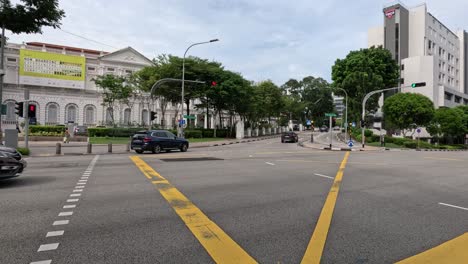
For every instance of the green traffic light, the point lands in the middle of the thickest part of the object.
(413, 85)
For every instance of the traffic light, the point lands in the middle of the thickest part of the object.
(19, 108)
(213, 83)
(420, 84)
(333, 122)
(153, 115)
(31, 111)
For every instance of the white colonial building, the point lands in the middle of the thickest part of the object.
(60, 83)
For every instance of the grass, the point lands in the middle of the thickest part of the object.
(126, 140)
(387, 145)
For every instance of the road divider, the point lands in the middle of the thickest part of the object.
(216, 242)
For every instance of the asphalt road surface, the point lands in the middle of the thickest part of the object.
(262, 202)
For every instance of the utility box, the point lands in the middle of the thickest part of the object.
(11, 138)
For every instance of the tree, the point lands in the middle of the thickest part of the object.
(317, 97)
(451, 122)
(402, 110)
(30, 16)
(114, 89)
(364, 71)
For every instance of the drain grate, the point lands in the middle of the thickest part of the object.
(191, 159)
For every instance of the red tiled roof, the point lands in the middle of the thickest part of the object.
(54, 46)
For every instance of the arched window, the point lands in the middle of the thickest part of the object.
(52, 113)
(11, 111)
(127, 115)
(89, 113)
(71, 113)
(109, 116)
(144, 117)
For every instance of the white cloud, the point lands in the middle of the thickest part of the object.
(261, 39)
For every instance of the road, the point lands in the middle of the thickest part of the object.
(262, 202)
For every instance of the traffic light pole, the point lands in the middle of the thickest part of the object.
(26, 117)
(367, 96)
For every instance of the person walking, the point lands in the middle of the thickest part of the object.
(66, 138)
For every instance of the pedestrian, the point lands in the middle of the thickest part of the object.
(66, 137)
(17, 128)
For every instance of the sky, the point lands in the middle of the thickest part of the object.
(261, 39)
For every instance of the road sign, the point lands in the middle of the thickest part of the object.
(353, 124)
(189, 116)
(418, 130)
(181, 121)
(308, 123)
(350, 143)
(330, 114)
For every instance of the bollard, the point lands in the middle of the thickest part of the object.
(90, 148)
(58, 149)
(128, 147)
(312, 138)
(109, 148)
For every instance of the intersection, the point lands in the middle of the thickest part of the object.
(255, 202)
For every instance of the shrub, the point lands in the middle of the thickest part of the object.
(207, 133)
(193, 134)
(55, 129)
(23, 151)
(113, 132)
(410, 144)
(368, 133)
(399, 141)
(374, 138)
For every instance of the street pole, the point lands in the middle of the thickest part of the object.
(346, 112)
(2, 73)
(331, 132)
(26, 117)
(181, 128)
(363, 116)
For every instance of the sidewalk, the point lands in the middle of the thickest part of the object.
(48, 148)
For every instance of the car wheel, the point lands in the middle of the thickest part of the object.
(282, 141)
(156, 149)
(184, 148)
(139, 151)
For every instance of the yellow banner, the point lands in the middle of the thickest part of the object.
(52, 65)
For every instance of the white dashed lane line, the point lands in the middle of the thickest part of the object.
(77, 191)
(454, 206)
(324, 176)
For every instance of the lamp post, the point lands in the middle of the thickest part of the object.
(181, 129)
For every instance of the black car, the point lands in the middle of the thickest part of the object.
(156, 141)
(11, 163)
(324, 129)
(289, 137)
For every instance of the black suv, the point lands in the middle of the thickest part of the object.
(157, 140)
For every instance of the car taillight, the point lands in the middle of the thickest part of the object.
(146, 139)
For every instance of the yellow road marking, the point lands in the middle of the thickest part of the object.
(453, 251)
(316, 245)
(217, 243)
(442, 158)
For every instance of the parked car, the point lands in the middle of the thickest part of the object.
(289, 137)
(336, 128)
(323, 128)
(157, 141)
(12, 163)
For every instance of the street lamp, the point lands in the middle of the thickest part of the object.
(181, 130)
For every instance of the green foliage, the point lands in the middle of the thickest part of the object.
(410, 144)
(30, 16)
(23, 151)
(193, 134)
(49, 129)
(368, 133)
(362, 72)
(403, 110)
(113, 132)
(451, 122)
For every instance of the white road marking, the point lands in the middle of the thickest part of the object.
(250, 156)
(78, 190)
(83, 180)
(324, 176)
(269, 163)
(75, 195)
(69, 206)
(42, 262)
(61, 222)
(81, 183)
(79, 187)
(47, 247)
(55, 233)
(454, 206)
(65, 213)
(72, 200)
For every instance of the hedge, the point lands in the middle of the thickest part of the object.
(39, 129)
(113, 132)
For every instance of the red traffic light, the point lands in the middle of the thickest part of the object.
(32, 108)
(213, 83)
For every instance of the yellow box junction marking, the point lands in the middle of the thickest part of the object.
(316, 245)
(454, 251)
(217, 243)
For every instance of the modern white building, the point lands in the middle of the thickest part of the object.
(427, 51)
(60, 83)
